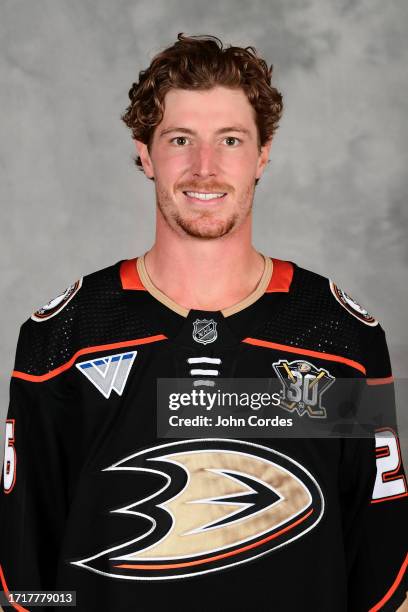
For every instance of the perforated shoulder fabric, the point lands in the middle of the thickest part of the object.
(98, 314)
(311, 318)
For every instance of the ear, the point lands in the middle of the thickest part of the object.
(144, 155)
(263, 158)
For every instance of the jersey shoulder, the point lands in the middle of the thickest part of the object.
(320, 315)
(321, 289)
(80, 292)
(92, 311)
(355, 324)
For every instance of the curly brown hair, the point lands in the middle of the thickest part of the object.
(201, 63)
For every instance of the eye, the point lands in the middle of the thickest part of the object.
(232, 138)
(176, 140)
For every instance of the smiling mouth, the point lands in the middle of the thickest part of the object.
(201, 196)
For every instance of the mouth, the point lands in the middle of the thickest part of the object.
(204, 196)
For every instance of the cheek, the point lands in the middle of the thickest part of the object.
(240, 168)
(169, 166)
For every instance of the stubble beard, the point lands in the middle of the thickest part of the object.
(204, 225)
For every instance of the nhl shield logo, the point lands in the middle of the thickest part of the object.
(205, 331)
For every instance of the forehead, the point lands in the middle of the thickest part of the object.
(217, 106)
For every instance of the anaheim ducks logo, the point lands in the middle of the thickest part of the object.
(215, 504)
(54, 306)
(352, 306)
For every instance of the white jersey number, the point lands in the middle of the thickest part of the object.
(10, 459)
(388, 483)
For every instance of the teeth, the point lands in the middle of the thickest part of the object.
(204, 196)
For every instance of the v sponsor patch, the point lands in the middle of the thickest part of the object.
(108, 373)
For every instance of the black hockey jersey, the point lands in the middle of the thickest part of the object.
(94, 501)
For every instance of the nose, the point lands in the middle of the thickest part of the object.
(204, 160)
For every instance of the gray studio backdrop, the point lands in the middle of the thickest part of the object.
(333, 199)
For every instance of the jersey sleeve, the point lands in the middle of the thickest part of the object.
(378, 564)
(34, 487)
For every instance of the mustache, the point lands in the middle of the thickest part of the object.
(208, 187)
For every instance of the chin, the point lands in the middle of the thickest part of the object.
(205, 230)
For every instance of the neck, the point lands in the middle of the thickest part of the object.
(205, 274)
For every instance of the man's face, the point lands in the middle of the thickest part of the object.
(205, 158)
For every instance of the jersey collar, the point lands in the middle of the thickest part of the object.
(277, 277)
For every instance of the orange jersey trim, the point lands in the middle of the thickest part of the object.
(16, 606)
(392, 588)
(129, 275)
(85, 351)
(380, 381)
(301, 351)
(282, 276)
(220, 556)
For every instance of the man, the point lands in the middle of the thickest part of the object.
(97, 499)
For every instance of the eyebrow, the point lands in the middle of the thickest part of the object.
(232, 128)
